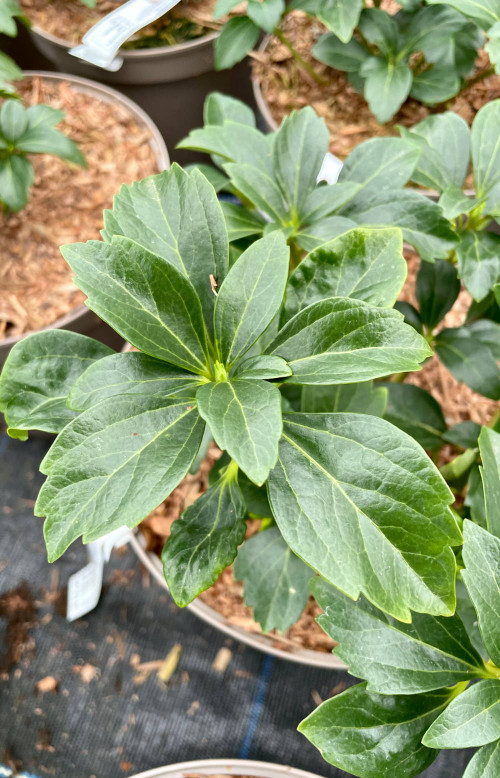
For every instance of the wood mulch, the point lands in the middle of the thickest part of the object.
(286, 86)
(66, 203)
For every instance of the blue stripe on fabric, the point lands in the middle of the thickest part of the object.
(257, 705)
(6, 772)
(4, 442)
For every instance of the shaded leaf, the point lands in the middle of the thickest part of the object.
(416, 412)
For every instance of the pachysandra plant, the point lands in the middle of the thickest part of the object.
(226, 349)
(275, 178)
(429, 685)
(486, 14)
(26, 131)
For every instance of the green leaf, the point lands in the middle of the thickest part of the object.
(219, 181)
(223, 7)
(9, 10)
(260, 187)
(380, 163)
(232, 141)
(113, 465)
(37, 376)
(485, 148)
(299, 149)
(396, 658)
(250, 296)
(479, 262)
(341, 56)
(485, 763)
(352, 398)
(444, 141)
(144, 298)
(381, 29)
(349, 490)
(13, 120)
(240, 222)
(371, 735)
(387, 85)
(219, 107)
(341, 16)
(16, 178)
(245, 419)
(262, 366)
(485, 12)
(471, 719)
(326, 199)
(364, 264)
(204, 541)
(276, 582)
(342, 340)
(131, 373)
(488, 333)
(463, 434)
(237, 38)
(178, 217)
(417, 413)
(266, 14)
(454, 202)
(489, 447)
(8, 72)
(44, 139)
(437, 289)
(318, 232)
(436, 85)
(469, 361)
(481, 554)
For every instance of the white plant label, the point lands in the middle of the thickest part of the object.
(330, 169)
(84, 587)
(101, 43)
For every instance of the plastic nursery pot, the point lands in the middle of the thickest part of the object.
(170, 83)
(210, 767)
(268, 122)
(262, 642)
(82, 319)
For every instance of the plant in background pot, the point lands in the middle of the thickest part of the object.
(10, 14)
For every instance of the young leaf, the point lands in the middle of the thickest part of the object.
(250, 296)
(237, 38)
(471, 719)
(485, 763)
(437, 289)
(365, 264)
(350, 489)
(178, 217)
(342, 340)
(113, 465)
(38, 375)
(276, 582)
(469, 361)
(204, 541)
(479, 262)
(481, 554)
(131, 373)
(245, 419)
(371, 735)
(417, 413)
(396, 658)
(144, 298)
(489, 446)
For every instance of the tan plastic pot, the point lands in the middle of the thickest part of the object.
(81, 319)
(229, 767)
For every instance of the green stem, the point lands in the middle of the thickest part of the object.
(296, 255)
(299, 58)
(492, 670)
(398, 378)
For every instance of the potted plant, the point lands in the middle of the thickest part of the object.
(363, 68)
(231, 767)
(45, 199)
(167, 68)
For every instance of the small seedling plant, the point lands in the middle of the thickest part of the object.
(228, 347)
(423, 51)
(427, 685)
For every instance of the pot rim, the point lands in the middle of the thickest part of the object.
(259, 641)
(262, 105)
(135, 54)
(107, 94)
(227, 767)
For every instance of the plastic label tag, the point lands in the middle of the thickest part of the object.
(330, 169)
(84, 587)
(101, 43)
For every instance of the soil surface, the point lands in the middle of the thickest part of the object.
(71, 19)
(66, 203)
(286, 86)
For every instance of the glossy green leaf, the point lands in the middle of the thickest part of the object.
(351, 398)
(380, 163)
(463, 434)
(488, 333)
(396, 658)
(113, 465)
(489, 447)
(37, 376)
(417, 413)
(262, 366)
(260, 188)
(131, 373)
(250, 296)
(204, 541)
(238, 36)
(16, 178)
(373, 735)
(471, 719)
(349, 490)
(276, 582)
(479, 262)
(364, 264)
(144, 298)
(485, 763)
(387, 85)
(343, 340)
(437, 289)
(481, 554)
(469, 361)
(245, 419)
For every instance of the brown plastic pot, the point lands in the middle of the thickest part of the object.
(170, 83)
(81, 319)
(210, 767)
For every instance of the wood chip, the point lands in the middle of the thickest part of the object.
(87, 672)
(48, 684)
(222, 659)
(170, 663)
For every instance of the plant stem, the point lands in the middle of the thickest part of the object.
(492, 670)
(475, 79)
(299, 58)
